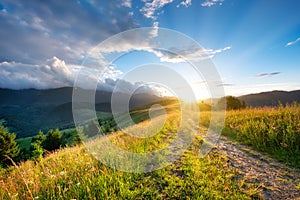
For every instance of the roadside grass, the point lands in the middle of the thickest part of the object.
(275, 131)
(75, 173)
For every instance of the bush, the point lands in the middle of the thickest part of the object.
(53, 140)
(232, 103)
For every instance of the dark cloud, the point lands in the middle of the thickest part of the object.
(33, 31)
(267, 74)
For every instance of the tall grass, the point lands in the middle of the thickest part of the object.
(73, 173)
(272, 130)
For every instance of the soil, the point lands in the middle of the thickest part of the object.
(275, 180)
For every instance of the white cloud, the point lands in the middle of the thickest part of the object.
(53, 73)
(37, 30)
(173, 55)
(150, 8)
(126, 3)
(210, 3)
(292, 42)
(147, 40)
(154, 32)
(185, 3)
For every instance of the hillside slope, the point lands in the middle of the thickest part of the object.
(271, 98)
(25, 112)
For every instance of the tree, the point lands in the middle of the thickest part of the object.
(53, 140)
(36, 148)
(79, 136)
(8, 146)
(232, 103)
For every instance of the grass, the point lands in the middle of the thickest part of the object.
(74, 173)
(275, 131)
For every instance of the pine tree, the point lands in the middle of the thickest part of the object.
(8, 146)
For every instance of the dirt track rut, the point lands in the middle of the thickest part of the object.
(274, 179)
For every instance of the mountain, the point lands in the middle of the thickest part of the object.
(25, 112)
(271, 98)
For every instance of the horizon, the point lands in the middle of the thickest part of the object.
(70, 87)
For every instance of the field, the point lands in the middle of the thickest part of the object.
(75, 173)
(275, 131)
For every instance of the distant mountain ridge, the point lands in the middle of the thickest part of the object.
(27, 111)
(271, 98)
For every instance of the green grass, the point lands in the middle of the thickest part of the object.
(275, 131)
(73, 173)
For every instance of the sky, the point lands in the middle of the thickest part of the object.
(254, 45)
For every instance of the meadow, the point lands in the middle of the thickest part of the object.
(76, 172)
(275, 131)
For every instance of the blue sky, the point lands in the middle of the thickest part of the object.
(255, 45)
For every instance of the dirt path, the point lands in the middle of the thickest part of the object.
(275, 180)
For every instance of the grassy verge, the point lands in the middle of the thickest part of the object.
(73, 173)
(275, 131)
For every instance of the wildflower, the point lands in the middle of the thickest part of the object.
(62, 173)
(37, 197)
(78, 184)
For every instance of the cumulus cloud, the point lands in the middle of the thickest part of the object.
(267, 74)
(53, 73)
(37, 30)
(63, 31)
(150, 8)
(210, 3)
(292, 42)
